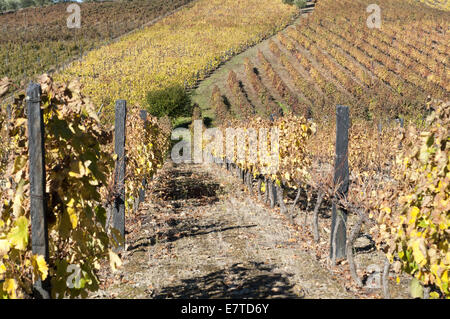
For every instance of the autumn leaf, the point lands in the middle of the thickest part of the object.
(4, 247)
(8, 289)
(18, 236)
(114, 260)
(40, 267)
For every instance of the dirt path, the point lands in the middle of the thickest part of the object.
(200, 235)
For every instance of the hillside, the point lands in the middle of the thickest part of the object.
(37, 40)
(226, 149)
(181, 49)
(438, 4)
(324, 60)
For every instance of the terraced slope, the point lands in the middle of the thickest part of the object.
(35, 40)
(328, 59)
(178, 50)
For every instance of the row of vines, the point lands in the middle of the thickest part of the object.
(399, 177)
(79, 189)
(328, 59)
(399, 184)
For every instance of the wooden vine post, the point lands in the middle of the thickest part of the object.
(8, 128)
(144, 116)
(36, 152)
(118, 216)
(8, 114)
(341, 180)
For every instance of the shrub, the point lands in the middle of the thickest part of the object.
(172, 101)
(299, 3)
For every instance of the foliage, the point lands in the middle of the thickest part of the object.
(79, 172)
(77, 169)
(298, 3)
(266, 105)
(415, 208)
(293, 132)
(147, 144)
(172, 101)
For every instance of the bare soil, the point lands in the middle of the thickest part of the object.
(200, 234)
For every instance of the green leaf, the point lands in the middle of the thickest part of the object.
(100, 213)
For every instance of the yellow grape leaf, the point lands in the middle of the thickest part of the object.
(114, 260)
(76, 169)
(434, 269)
(73, 217)
(416, 289)
(419, 251)
(414, 212)
(19, 164)
(71, 202)
(9, 286)
(74, 174)
(40, 267)
(2, 268)
(434, 295)
(81, 168)
(444, 277)
(21, 121)
(4, 246)
(18, 237)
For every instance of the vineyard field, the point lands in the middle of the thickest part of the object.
(37, 40)
(387, 77)
(335, 59)
(251, 149)
(179, 50)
